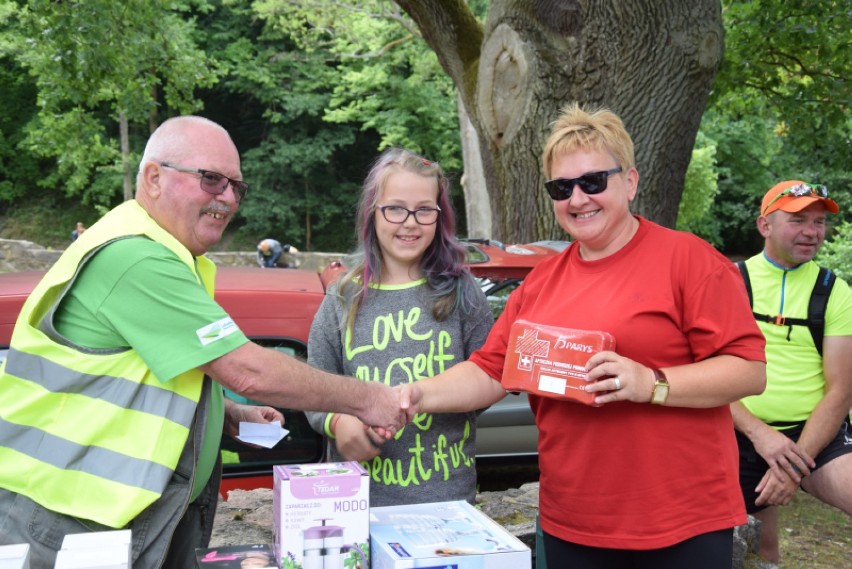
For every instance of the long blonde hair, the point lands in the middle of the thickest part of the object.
(443, 261)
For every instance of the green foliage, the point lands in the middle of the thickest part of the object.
(746, 153)
(77, 137)
(47, 219)
(312, 90)
(299, 166)
(335, 84)
(19, 170)
(94, 62)
(779, 109)
(700, 192)
(836, 253)
(795, 54)
(386, 77)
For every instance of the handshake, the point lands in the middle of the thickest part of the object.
(389, 409)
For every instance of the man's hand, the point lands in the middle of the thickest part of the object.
(355, 440)
(775, 491)
(786, 459)
(383, 410)
(236, 413)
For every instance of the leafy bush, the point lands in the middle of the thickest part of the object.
(699, 193)
(836, 253)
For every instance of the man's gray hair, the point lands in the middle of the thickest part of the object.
(167, 143)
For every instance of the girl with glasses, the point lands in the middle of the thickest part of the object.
(409, 309)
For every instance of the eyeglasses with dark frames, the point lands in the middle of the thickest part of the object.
(799, 190)
(591, 183)
(213, 182)
(398, 214)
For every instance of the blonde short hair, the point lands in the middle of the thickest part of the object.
(596, 129)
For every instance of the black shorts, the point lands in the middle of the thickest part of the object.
(706, 551)
(753, 467)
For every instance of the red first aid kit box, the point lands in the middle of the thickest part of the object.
(550, 361)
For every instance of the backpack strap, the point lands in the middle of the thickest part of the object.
(816, 306)
(744, 272)
(818, 303)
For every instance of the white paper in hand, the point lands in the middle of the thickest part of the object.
(265, 435)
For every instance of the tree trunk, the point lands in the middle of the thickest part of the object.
(125, 155)
(650, 61)
(477, 207)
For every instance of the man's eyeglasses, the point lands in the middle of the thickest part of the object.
(399, 214)
(213, 182)
(592, 183)
(799, 190)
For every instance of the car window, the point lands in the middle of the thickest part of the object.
(497, 292)
(473, 254)
(301, 445)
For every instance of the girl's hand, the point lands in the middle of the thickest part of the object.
(355, 440)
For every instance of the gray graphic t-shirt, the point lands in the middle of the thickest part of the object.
(396, 340)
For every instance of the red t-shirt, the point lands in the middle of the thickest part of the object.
(635, 475)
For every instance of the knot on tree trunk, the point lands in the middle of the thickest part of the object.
(504, 91)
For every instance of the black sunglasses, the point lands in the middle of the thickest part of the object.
(591, 183)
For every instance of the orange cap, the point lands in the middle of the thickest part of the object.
(792, 203)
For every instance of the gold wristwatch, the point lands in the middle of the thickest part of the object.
(661, 388)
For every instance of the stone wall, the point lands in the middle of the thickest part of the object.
(18, 256)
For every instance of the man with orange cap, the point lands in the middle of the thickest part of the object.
(796, 433)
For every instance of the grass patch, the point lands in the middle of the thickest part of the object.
(813, 535)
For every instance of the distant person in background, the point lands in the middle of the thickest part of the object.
(796, 433)
(78, 231)
(270, 250)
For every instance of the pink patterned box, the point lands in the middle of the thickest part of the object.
(321, 515)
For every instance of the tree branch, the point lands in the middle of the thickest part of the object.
(453, 32)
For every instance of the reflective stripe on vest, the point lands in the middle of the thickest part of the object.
(93, 435)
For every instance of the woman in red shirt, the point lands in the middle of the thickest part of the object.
(647, 476)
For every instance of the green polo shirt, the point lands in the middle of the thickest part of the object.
(136, 293)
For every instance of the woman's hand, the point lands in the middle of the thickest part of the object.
(617, 378)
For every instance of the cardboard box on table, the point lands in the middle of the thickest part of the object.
(550, 361)
(321, 516)
(15, 556)
(442, 535)
(95, 550)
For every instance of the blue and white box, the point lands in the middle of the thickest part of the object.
(442, 535)
(15, 556)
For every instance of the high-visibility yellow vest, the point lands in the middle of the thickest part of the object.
(92, 433)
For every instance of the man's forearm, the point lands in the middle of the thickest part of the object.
(745, 422)
(821, 427)
(282, 381)
(830, 412)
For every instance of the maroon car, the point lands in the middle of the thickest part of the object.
(275, 309)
